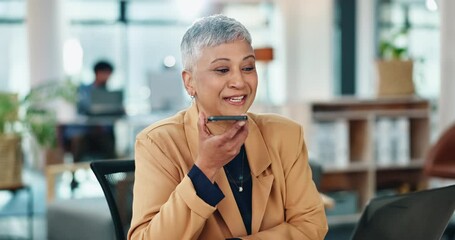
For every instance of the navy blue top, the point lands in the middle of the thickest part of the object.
(212, 194)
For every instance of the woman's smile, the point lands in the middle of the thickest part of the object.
(236, 100)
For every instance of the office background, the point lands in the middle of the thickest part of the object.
(322, 49)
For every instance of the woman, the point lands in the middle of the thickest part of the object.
(226, 179)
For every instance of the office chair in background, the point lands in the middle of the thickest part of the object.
(440, 163)
(116, 178)
(440, 160)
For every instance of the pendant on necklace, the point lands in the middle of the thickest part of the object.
(240, 189)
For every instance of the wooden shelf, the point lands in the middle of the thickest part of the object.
(367, 169)
(413, 164)
(359, 104)
(352, 167)
(352, 114)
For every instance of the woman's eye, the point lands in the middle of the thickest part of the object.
(222, 70)
(248, 69)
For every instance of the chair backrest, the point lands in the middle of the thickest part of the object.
(440, 161)
(418, 215)
(116, 178)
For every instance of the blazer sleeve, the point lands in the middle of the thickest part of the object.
(164, 205)
(304, 208)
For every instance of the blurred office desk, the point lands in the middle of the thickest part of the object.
(52, 172)
(128, 127)
(102, 137)
(88, 138)
(82, 120)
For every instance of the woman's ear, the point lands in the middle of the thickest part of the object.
(188, 82)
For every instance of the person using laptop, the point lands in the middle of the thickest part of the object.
(94, 138)
(103, 71)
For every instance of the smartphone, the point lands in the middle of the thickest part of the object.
(227, 118)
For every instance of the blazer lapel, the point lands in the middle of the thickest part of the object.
(228, 207)
(259, 160)
(191, 131)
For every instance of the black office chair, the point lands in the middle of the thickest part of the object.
(116, 178)
(418, 216)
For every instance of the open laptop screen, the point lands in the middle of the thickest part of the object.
(103, 102)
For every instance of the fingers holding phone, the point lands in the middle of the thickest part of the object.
(215, 151)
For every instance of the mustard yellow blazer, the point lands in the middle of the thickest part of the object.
(285, 201)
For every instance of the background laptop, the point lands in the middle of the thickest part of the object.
(103, 102)
(420, 215)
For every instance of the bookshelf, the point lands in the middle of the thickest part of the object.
(378, 144)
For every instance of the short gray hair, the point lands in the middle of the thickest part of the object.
(210, 32)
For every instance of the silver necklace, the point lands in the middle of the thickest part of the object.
(231, 179)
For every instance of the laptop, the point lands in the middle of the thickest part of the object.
(419, 215)
(105, 103)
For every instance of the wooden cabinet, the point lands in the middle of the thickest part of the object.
(368, 166)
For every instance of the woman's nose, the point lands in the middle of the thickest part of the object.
(237, 80)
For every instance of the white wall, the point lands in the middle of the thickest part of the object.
(45, 25)
(447, 96)
(308, 35)
(305, 53)
(365, 49)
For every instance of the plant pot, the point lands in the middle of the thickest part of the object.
(395, 78)
(10, 160)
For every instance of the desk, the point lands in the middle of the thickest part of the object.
(88, 138)
(121, 139)
(53, 170)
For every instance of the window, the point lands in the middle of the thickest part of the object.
(13, 46)
(422, 39)
(138, 35)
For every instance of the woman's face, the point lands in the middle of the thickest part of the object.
(224, 79)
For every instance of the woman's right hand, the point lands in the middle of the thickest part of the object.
(215, 151)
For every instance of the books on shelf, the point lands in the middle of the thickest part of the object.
(331, 145)
(383, 141)
(392, 141)
(332, 142)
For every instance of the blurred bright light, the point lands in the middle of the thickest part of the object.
(431, 5)
(72, 56)
(169, 61)
(144, 92)
(190, 9)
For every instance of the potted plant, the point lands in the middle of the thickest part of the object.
(40, 115)
(8, 110)
(10, 148)
(395, 68)
(34, 117)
